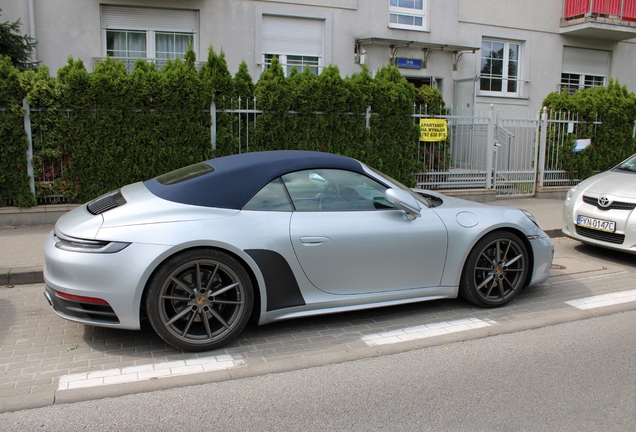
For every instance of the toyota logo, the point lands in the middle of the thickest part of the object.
(604, 202)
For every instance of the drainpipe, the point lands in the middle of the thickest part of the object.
(34, 54)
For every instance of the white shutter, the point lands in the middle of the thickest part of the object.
(292, 36)
(583, 61)
(133, 18)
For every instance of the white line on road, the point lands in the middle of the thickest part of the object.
(425, 331)
(603, 300)
(148, 372)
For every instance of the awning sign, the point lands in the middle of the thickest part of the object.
(432, 130)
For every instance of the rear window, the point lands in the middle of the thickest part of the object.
(185, 173)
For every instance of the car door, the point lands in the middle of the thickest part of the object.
(349, 240)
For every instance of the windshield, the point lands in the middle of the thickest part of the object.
(627, 165)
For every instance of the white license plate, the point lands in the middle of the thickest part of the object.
(596, 224)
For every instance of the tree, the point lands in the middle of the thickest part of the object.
(16, 46)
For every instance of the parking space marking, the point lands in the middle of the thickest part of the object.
(148, 372)
(603, 300)
(425, 331)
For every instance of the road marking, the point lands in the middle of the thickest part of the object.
(603, 300)
(148, 372)
(425, 331)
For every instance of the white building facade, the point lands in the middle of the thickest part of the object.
(510, 53)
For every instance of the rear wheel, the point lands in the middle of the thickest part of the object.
(199, 300)
(495, 271)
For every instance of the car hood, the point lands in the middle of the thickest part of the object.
(611, 183)
(141, 207)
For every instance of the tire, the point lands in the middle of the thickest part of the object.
(199, 300)
(495, 270)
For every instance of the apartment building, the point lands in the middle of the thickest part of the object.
(510, 53)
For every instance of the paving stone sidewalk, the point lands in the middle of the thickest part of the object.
(45, 359)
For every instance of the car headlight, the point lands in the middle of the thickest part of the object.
(72, 244)
(532, 218)
(570, 194)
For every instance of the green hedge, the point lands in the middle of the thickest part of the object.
(14, 181)
(612, 140)
(96, 131)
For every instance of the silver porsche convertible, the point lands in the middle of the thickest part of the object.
(600, 210)
(278, 235)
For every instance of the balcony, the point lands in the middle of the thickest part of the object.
(599, 19)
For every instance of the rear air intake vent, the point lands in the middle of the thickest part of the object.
(106, 202)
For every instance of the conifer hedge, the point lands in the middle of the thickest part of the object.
(612, 140)
(14, 181)
(96, 131)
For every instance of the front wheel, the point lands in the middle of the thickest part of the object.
(199, 300)
(495, 270)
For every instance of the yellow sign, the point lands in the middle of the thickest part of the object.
(432, 130)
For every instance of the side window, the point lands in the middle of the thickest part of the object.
(271, 198)
(334, 190)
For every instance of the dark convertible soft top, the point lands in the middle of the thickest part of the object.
(236, 179)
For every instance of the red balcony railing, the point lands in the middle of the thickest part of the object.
(615, 9)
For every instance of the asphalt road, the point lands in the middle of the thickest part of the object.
(576, 376)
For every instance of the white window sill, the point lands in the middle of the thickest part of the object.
(514, 97)
(406, 27)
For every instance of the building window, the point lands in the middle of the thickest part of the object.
(290, 62)
(122, 43)
(296, 42)
(172, 45)
(408, 14)
(500, 68)
(575, 82)
(583, 68)
(156, 34)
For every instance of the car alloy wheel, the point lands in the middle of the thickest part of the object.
(495, 271)
(199, 300)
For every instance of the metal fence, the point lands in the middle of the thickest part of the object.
(511, 154)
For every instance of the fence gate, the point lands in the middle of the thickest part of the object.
(515, 156)
(485, 151)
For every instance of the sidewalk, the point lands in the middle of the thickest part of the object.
(21, 259)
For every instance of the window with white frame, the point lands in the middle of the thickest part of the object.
(583, 68)
(572, 83)
(130, 33)
(408, 14)
(290, 62)
(296, 43)
(500, 65)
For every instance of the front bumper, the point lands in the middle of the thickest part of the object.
(543, 251)
(624, 237)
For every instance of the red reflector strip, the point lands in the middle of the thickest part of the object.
(81, 299)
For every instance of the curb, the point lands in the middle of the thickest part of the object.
(554, 233)
(22, 276)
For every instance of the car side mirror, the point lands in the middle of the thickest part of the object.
(317, 179)
(404, 201)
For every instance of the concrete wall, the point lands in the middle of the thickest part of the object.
(72, 28)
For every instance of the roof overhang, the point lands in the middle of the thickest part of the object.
(426, 47)
(403, 43)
